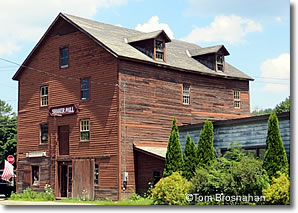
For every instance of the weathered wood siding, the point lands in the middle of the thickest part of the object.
(152, 96)
(86, 60)
(145, 166)
(250, 132)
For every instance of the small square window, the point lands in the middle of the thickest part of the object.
(44, 96)
(237, 104)
(44, 133)
(64, 57)
(186, 94)
(85, 130)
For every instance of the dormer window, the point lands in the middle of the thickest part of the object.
(159, 50)
(152, 44)
(212, 57)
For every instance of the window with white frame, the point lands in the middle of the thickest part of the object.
(85, 130)
(237, 99)
(44, 96)
(186, 94)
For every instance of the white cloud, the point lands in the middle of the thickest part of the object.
(275, 71)
(230, 29)
(27, 20)
(278, 19)
(154, 25)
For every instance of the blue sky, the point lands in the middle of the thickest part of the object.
(256, 33)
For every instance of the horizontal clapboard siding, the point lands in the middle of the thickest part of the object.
(152, 96)
(86, 60)
(248, 133)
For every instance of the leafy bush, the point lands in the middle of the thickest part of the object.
(29, 194)
(279, 191)
(235, 174)
(171, 190)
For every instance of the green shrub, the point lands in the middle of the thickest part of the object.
(171, 190)
(279, 191)
(29, 194)
(235, 174)
(174, 158)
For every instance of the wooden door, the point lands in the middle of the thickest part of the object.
(63, 132)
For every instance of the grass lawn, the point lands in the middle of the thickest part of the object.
(141, 201)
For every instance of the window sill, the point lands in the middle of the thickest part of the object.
(43, 144)
(85, 141)
(64, 66)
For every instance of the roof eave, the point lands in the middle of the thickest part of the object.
(184, 70)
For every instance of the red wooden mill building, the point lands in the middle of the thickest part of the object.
(96, 103)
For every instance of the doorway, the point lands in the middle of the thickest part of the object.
(63, 136)
(65, 179)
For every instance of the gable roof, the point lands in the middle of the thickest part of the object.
(114, 39)
(208, 50)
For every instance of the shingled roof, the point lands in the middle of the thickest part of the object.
(208, 50)
(115, 40)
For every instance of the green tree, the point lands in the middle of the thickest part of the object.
(189, 158)
(174, 158)
(8, 132)
(206, 155)
(284, 106)
(275, 155)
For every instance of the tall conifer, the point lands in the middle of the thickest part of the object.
(174, 159)
(275, 155)
(189, 158)
(206, 155)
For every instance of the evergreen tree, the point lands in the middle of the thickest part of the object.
(174, 159)
(206, 155)
(189, 158)
(275, 156)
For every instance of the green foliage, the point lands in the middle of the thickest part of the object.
(234, 174)
(284, 106)
(174, 158)
(8, 132)
(189, 158)
(275, 155)
(171, 190)
(279, 191)
(206, 155)
(31, 195)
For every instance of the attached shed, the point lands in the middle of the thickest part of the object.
(250, 133)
